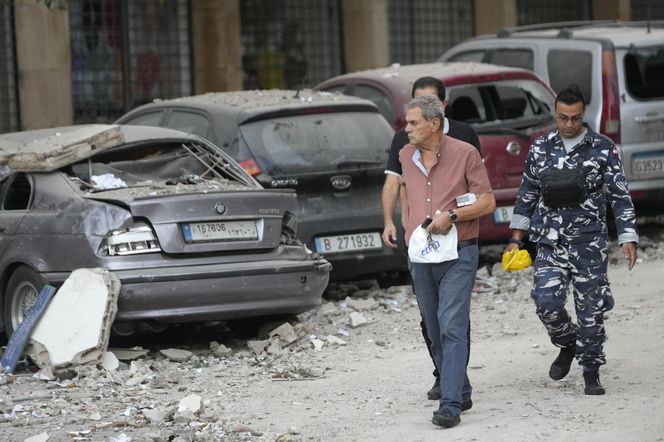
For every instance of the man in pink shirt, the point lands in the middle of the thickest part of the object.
(436, 170)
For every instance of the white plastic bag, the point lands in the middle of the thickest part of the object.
(432, 248)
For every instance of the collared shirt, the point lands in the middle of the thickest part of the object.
(581, 223)
(458, 169)
(455, 129)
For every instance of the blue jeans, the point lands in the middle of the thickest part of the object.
(443, 295)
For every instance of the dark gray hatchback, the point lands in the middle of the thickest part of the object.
(332, 149)
(189, 234)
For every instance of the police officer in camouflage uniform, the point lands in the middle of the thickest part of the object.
(568, 224)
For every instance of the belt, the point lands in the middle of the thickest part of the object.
(466, 243)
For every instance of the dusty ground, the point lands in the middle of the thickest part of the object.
(372, 388)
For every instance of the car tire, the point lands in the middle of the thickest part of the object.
(22, 290)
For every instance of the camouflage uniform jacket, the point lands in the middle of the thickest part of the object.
(581, 223)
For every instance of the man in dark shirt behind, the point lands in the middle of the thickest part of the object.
(455, 129)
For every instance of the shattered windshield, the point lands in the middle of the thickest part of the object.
(318, 142)
(157, 165)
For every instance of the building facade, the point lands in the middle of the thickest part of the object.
(81, 61)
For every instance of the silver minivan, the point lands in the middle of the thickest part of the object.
(620, 69)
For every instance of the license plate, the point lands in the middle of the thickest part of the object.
(220, 231)
(648, 165)
(503, 215)
(348, 243)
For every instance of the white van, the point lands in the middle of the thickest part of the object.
(619, 67)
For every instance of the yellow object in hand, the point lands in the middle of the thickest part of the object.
(516, 259)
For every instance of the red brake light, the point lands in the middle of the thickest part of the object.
(251, 167)
(610, 123)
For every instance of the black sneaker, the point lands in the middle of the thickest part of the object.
(561, 365)
(466, 405)
(593, 387)
(434, 393)
(444, 418)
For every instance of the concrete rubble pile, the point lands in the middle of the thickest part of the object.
(190, 392)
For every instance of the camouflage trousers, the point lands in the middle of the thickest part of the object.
(585, 265)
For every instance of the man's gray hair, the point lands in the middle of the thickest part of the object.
(431, 108)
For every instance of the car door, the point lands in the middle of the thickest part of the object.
(508, 115)
(642, 113)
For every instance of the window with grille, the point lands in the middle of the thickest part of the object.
(421, 30)
(290, 44)
(647, 9)
(9, 118)
(126, 53)
(543, 11)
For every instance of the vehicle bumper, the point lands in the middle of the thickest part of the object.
(349, 266)
(217, 292)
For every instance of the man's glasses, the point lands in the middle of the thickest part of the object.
(574, 118)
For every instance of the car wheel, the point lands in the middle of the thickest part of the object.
(22, 290)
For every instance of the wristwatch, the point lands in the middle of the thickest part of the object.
(453, 216)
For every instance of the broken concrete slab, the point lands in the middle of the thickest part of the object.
(361, 304)
(285, 332)
(258, 345)
(60, 340)
(176, 354)
(58, 150)
(219, 349)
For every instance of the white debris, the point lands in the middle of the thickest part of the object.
(122, 437)
(357, 320)
(318, 344)
(191, 404)
(109, 361)
(41, 437)
(60, 340)
(333, 340)
(107, 181)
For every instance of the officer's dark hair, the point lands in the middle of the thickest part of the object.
(571, 95)
(424, 82)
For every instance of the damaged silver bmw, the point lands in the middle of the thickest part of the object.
(190, 235)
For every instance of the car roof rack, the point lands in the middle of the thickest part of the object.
(506, 32)
(565, 27)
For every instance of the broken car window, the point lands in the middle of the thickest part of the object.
(169, 164)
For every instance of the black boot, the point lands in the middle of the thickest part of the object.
(434, 393)
(561, 365)
(593, 387)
